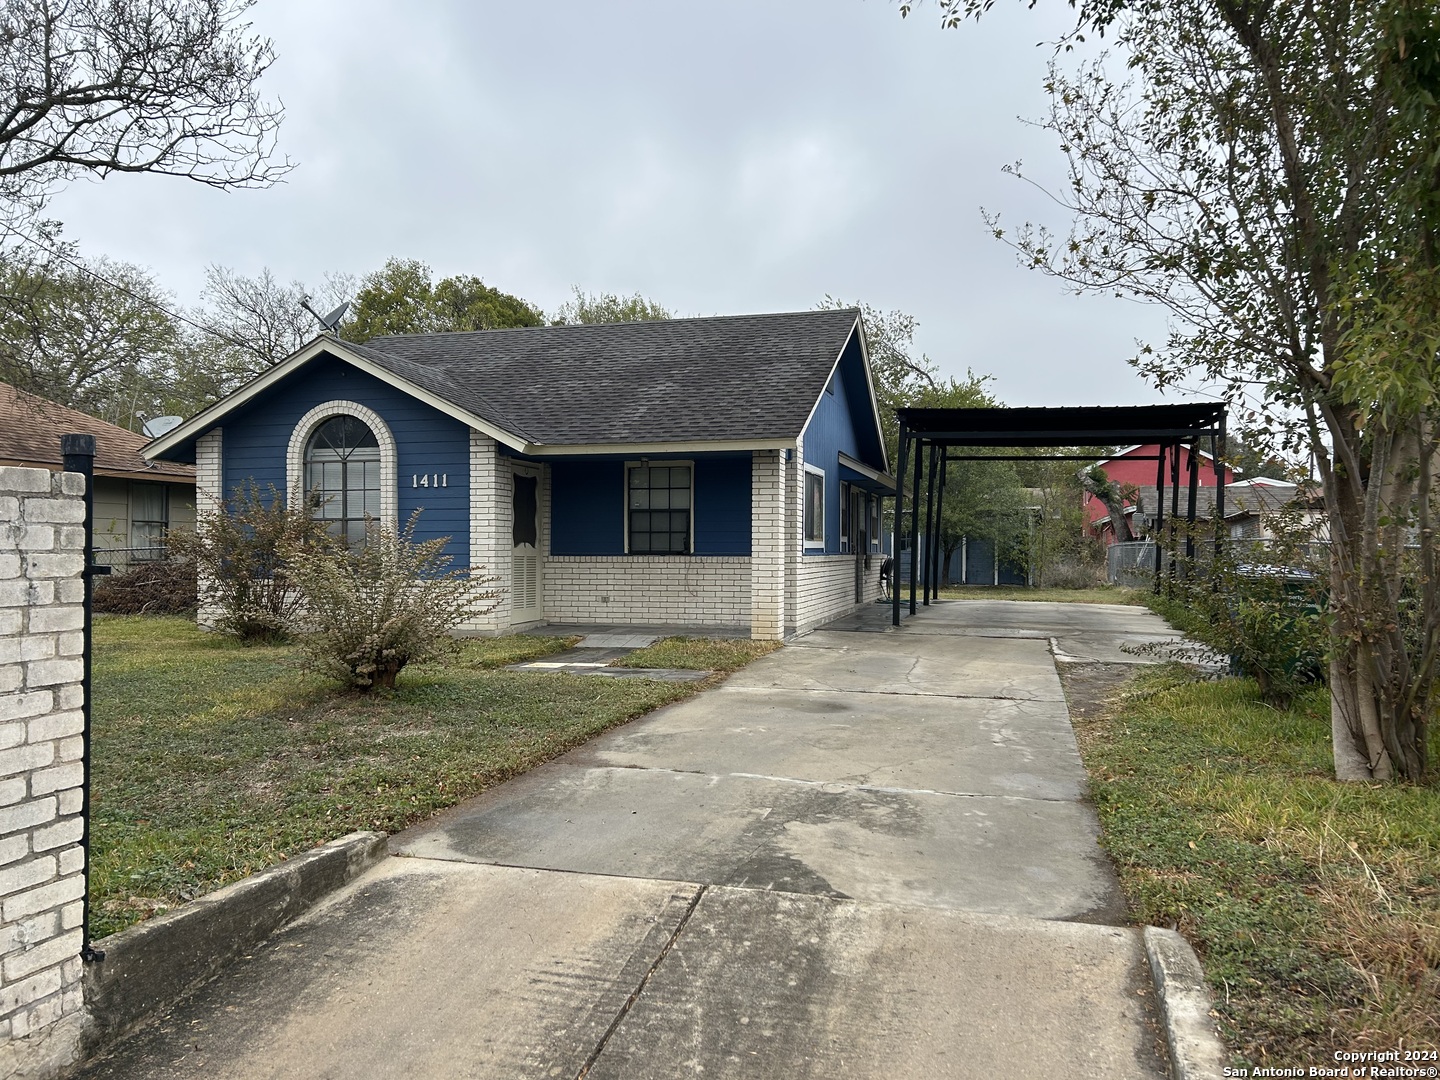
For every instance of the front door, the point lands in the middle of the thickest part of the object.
(859, 540)
(525, 585)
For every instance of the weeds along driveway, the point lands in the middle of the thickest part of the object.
(865, 855)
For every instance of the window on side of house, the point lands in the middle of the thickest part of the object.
(845, 517)
(342, 477)
(149, 518)
(814, 507)
(875, 523)
(658, 503)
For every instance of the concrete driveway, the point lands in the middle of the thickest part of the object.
(866, 855)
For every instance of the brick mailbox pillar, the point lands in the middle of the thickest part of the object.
(42, 864)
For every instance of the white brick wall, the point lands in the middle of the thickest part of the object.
(794, 530)
(826, 588)
(209, 497)
(767, 545)
(704, 590)
(489, 531)
(41, 864)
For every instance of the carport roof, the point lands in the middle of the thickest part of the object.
(1067, 425)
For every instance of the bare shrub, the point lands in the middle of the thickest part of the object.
(370, 612)
(161, 587)
(1070, 574)
(242, 574)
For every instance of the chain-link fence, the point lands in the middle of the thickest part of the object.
(120, 559)
(1132, 563)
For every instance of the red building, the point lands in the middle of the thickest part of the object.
(1134, 468)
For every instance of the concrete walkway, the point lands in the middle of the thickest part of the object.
(866, 855)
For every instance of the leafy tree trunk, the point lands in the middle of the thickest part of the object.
(952, 546)
(1108, 492)
(1383, 663)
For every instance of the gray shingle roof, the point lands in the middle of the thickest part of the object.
(680, 380)
(1241, 497)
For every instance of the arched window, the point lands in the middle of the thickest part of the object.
(342, 476)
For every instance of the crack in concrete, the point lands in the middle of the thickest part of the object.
(887, 693)
(800, 781)
(640, 988)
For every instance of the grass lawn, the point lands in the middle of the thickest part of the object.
(1314, 905)
(1100, 594)
(698, 654)
(212, 760)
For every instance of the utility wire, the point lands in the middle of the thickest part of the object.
(79, 264)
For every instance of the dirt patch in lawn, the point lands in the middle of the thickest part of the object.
(1089, 688)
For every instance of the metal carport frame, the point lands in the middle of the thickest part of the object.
(937, 431)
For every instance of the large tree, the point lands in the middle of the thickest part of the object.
(1270, 172)
(90, 333)
(263, 319)
(400, 298)
(105, 86)
(603, 307)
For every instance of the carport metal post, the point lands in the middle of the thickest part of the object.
(1194, 497)
(929, 525)
(1174, 513)
(896, 527)
(915, 523)
(1219, 492)
(1159, 514)
(940, 513)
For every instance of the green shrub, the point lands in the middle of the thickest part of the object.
(371, 611)
(1263, 607)
(243, 577)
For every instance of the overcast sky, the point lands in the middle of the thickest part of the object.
(720, 158)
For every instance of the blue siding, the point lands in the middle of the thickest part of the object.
(830, 433)
(588, 504)
(587, 507)
(427, 441)
(722, 505)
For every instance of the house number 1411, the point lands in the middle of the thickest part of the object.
(436, 479)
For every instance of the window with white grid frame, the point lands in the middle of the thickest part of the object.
(658, 504)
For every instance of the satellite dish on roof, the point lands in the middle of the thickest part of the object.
(161, 424)
(331, 322)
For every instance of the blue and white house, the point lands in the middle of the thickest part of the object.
(725, 472)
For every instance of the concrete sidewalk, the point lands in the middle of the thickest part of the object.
(866, 855)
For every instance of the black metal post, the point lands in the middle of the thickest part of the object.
(1159, 515)
(1194, 498)
(1219, 491)
(895, 532)
(1174, 511)
(78, 455)
(915, 523)
(940, 568)
(926, 578)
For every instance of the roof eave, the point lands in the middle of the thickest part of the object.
(680, 446)
(883, 478)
